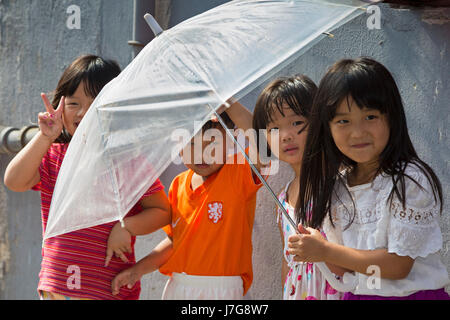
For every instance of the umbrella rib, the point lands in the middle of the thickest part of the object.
(256, 171)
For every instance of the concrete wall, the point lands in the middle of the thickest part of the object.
(35, 46)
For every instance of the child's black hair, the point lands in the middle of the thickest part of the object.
(297, 92)
(94, 71)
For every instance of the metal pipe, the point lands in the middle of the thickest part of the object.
(141, 33)
(12, 140)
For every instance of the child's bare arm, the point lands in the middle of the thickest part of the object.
(243, 119)
(155, 215)
(159, 255)
(337, 270)
(312, 247)
(392, 266)
(22, 172)
(240, 115)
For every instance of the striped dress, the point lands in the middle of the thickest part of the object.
(73, 263)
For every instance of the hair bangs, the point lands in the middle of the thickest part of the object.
(295, 93)
(275, 102)
(93, 82)
(365, 87)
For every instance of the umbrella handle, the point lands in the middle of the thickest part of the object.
(344, 286)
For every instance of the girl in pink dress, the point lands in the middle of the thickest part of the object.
(80, 264)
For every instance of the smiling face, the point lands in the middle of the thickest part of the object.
(292, 135)
(75, 108)
(360, 134)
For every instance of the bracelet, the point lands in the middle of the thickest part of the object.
(122, 224)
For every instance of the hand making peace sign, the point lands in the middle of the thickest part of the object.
(50, 122)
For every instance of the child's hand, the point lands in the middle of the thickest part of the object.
(308, 246)
(119, 242)
(50, 122)
(127, 277)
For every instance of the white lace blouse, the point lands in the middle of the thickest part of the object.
(413, 232)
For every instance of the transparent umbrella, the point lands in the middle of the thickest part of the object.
(176, 82)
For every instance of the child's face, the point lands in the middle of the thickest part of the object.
(292, 135)
(360, 134)
(206, 153)
(75, 108)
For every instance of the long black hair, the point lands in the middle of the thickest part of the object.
(94, 71)
(370, 85)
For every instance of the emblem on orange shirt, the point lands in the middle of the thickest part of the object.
(215, 211)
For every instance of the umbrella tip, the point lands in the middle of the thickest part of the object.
(153, 24)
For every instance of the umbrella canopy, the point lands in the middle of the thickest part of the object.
(124, 142)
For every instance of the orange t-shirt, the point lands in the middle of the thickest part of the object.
(212, 226)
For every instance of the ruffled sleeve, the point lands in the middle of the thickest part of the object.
(414, 230)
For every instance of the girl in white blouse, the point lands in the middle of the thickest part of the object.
(376, 200)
